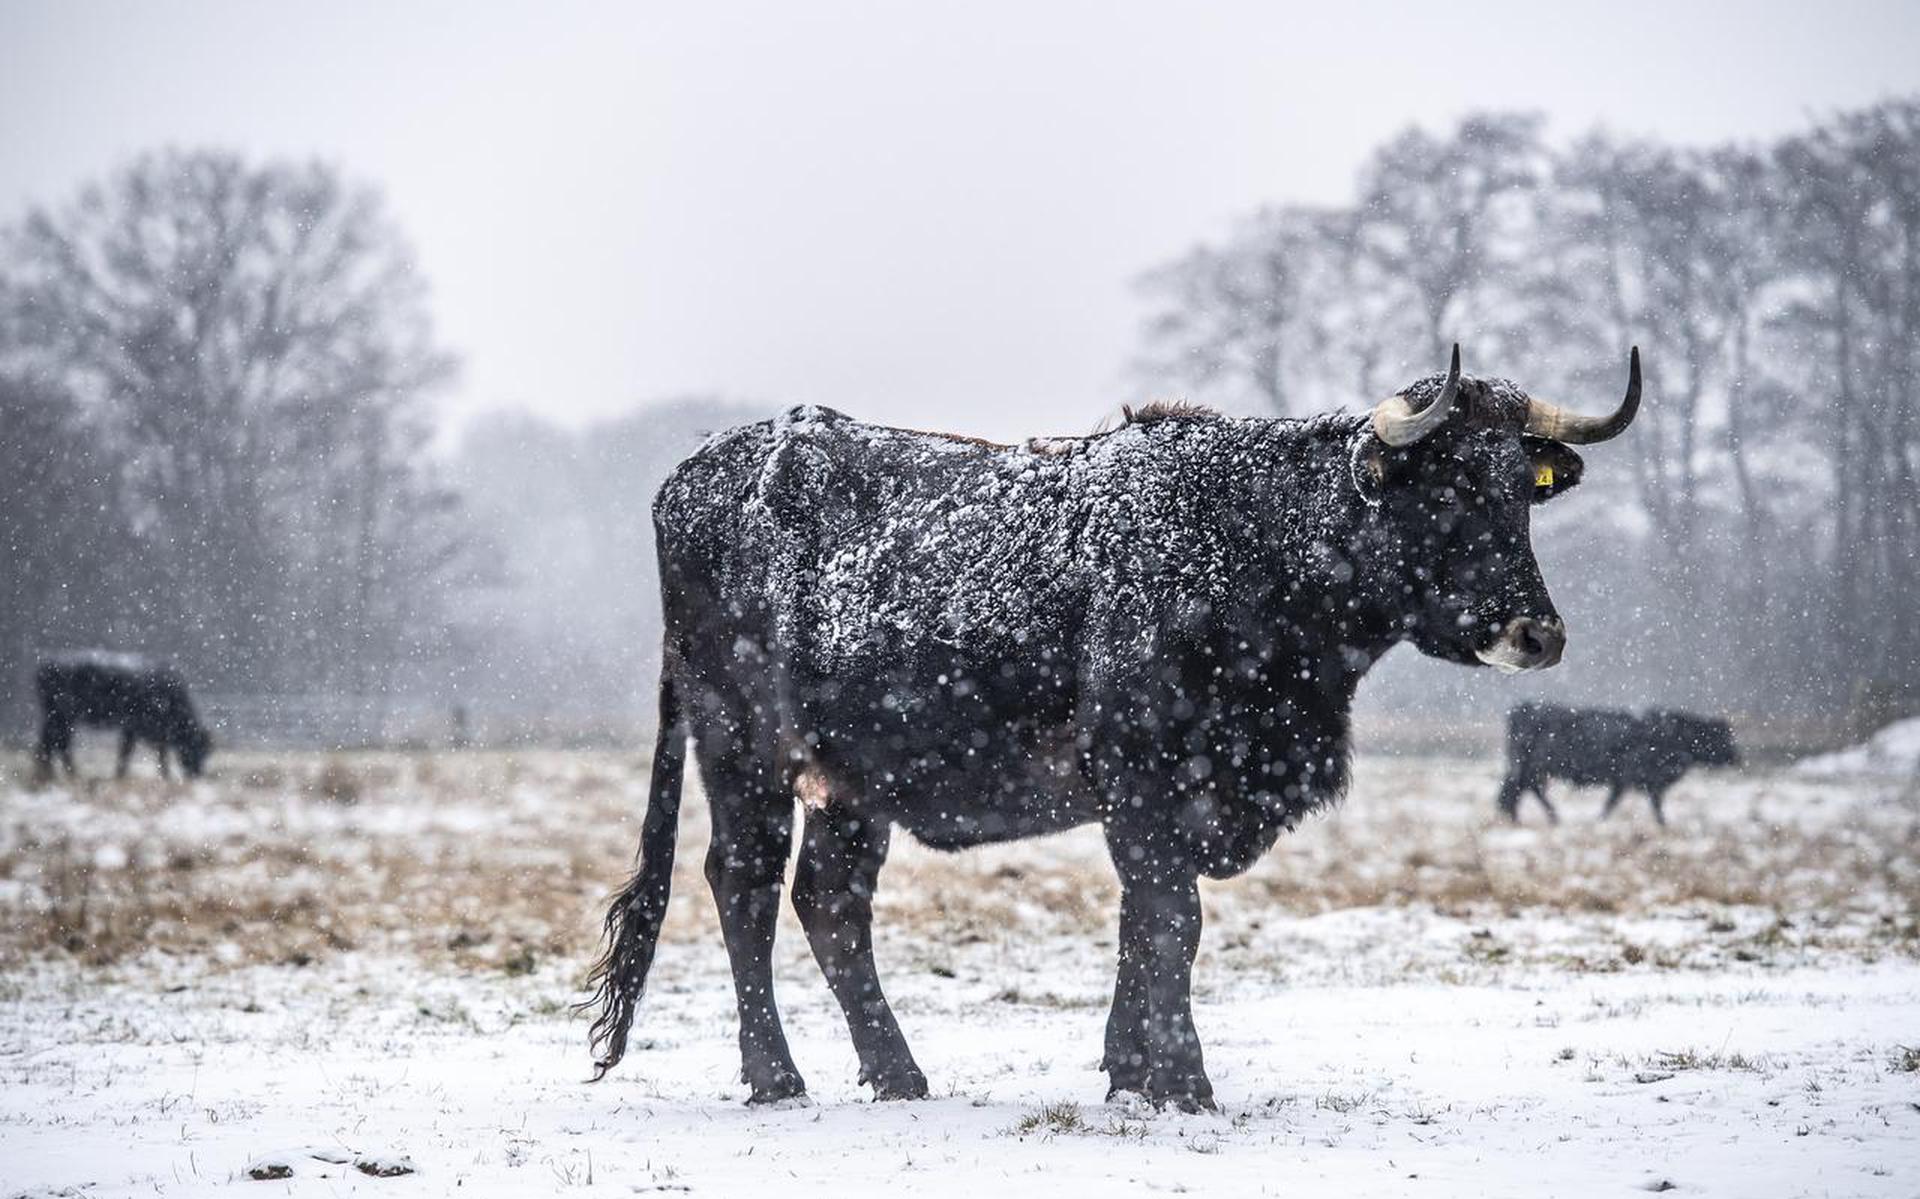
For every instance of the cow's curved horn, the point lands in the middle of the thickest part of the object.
(1545, 420)
(1396, 423)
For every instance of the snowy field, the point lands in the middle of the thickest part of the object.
(322, 966)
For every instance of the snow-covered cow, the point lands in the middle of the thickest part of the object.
(1159, 628)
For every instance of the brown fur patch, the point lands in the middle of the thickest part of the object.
(958, 438)
(811, 787)
(1147, 414)
(1159, 410)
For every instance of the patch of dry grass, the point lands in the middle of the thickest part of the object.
(1677, 1060)
(292, 858)
(1054, 1119)
(501, 861)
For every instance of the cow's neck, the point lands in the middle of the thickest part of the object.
(1316, 607)
(1319, 584)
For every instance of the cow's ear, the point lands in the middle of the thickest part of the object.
(1555, 467)
(1367, 464)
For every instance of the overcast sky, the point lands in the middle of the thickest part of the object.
(919, 213)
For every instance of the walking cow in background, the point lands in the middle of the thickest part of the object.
(145, 701)
(1158, 629)
(1589, 746)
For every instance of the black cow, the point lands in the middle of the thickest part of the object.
(144, 701)
(1158, 629)
(1590, 746)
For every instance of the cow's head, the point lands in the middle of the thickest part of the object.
(1453, 466)
(195, 745)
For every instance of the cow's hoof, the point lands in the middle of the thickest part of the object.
(781, 1088)
(1123, 1084)
(1126, 1071)
(908, 1083)
(1185, 1095)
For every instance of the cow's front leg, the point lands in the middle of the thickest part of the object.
(1159, 936)
(52, 743)
(127, 741)
(1512, 791)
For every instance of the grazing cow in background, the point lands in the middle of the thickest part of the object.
(146, 702)
(1158, 629)
(1590, 746)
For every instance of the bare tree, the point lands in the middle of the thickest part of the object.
(251, 344)
(1440, 218)
(1855, 244)
(1238, 321)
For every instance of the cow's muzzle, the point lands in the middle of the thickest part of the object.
(1527, 643)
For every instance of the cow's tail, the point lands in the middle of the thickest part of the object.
(633, 917)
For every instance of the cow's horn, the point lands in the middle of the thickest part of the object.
(1545, 420)
(1396, 423)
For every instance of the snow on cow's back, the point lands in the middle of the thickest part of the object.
(101, 659)
(853, 537)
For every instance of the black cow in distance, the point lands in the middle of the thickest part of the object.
(1158, 629)
(145, 701)
(1594, 746)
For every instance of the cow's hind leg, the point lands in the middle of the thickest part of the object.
(1159, 936)
(746, 861)
(126, 754)
(1613, 801)
(833, 886)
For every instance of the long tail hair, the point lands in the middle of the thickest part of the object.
(619, 977)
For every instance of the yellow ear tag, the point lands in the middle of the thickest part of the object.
(1543, 475)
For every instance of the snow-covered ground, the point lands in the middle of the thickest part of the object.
(310, 963)
(1893, 750)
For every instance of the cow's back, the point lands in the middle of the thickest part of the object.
(115, 689)
(1585, 746)
(853, 545)
(88, 687)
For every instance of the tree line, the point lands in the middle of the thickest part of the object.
(216, 434)
(1759, 545)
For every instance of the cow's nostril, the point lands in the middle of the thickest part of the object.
(1526, 644)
